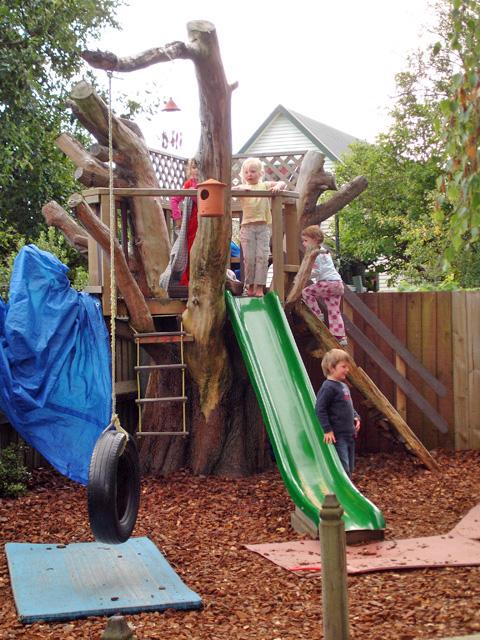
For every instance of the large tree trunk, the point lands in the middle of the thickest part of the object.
(209, 366)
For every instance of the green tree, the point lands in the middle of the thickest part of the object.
(379, 227)
(393, 225)
(40, 43)
(459, 128)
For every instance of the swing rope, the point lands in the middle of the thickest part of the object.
(114, 421)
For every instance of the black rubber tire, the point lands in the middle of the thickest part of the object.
(113, 492)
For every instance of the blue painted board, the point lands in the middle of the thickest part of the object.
(64, 582)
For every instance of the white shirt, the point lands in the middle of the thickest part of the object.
(323, 267)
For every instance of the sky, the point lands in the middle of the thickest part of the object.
(332, 61)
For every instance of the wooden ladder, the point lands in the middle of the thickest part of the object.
(161, 337)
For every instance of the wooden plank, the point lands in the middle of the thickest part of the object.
(473, 341)
(372, 366)
(414, 345)
(444, 364)
(347, 312)
(460, 368)
(158, 307)
(429, 343)
(94, 264)
(292, 242)
(384, 314)
(278, 284)
(126, 388)
(368, 439)
(400, 396)
(165, 339)
(399, 330)
(93, 289)
(358, 303)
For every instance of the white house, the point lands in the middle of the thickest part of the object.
(287, 131)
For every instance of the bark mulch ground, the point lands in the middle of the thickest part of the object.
(201, 525)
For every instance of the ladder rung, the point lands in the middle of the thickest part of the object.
(162, 433)
(159, 333)
(149, 367)
(159, 338)
(174, 399)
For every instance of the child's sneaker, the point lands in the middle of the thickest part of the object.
(343, 342)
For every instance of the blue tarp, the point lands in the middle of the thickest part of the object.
(55, 384)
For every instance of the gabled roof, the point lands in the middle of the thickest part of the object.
(329, 140)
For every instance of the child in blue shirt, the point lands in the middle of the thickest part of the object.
(334, 408)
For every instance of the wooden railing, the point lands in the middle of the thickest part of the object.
(285, 238)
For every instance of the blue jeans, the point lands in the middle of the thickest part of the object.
(345, 446)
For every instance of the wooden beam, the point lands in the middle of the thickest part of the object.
(277, 248)
(126, 388)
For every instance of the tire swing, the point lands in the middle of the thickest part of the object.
(113, 491)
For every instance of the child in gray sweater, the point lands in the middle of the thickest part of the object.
(334, 408)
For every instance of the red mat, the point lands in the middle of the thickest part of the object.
(460, 547)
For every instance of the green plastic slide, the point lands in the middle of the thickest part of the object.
(310, 468)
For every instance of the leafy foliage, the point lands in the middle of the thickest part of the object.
(40, 43)
(379, 228)
(458, 126)
(397, 225)
(53, 241)
(13, 473)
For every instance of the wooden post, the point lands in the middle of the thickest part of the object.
(105, 258)
(400, 397)
(118, 629)
(291, 241)
(277, 248)
(347, 312)
(334, 571)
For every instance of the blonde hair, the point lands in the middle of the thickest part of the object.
(314, 232)
(332, 358)
(192, 163)
(249, 161)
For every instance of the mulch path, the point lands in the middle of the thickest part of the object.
(201, 525)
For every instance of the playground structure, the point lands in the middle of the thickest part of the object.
(361, 322)
(285, 258)
(256, 338)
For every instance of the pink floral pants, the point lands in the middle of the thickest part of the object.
(331, 292)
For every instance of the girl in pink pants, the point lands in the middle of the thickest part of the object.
(327, 284)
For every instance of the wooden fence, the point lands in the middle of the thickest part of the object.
(441, 330)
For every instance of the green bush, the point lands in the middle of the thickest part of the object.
(13, 473)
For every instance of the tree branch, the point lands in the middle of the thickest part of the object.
(137, 307)
(148, 220)
(110, 62)
(75, 235)
(345, 195)
(312, 181)
(303, 275)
